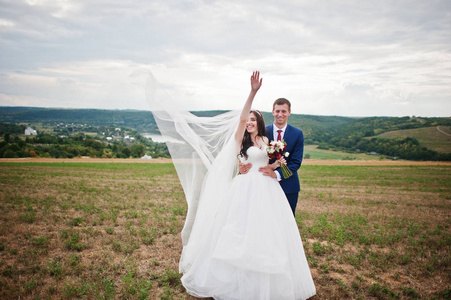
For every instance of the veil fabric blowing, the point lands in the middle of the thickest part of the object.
(204, 153)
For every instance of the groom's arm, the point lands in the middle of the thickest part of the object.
(296, 156)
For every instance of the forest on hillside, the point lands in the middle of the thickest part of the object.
(329, 132)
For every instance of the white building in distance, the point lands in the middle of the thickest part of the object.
(30, 131)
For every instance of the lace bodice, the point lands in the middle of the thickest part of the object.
(257, 157)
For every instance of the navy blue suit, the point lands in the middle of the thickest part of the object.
(295, 146)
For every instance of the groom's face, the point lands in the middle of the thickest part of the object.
(281, 114)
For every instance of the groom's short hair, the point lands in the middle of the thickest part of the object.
(282, 101)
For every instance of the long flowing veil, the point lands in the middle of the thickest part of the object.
(204, 154)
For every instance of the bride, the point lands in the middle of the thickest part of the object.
(240, 238)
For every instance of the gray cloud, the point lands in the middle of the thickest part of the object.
(351, 58)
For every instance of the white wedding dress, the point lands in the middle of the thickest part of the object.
(253, 249)
(240, 240)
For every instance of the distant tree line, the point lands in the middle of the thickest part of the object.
(356, 137)
(11, 129)
(329, 132)
(142, 121)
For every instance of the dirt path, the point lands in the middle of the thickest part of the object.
(86, 160)
(441, 131)
(332, 162)
(308, 162)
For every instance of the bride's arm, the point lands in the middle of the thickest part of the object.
(277, 163)
(256, 83)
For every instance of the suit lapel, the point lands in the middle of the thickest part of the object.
(286, 135)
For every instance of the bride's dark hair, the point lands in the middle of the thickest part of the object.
(247, 141)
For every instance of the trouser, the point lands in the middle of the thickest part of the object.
(293, 200)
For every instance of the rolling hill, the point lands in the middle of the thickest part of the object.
(436, 138)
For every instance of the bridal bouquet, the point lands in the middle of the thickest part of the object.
(276, 150)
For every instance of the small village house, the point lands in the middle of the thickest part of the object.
(30, 131)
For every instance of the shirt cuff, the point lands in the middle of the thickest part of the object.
(279, 178)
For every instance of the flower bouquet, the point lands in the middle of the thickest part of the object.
(276, 150)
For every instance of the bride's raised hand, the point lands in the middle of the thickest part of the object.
(256, 81)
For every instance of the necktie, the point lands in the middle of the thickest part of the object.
(279, 136)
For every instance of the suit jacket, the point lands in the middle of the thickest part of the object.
(295, 146)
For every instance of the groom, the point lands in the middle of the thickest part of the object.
(281, 130)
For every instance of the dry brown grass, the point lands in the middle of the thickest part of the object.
(403, 241)
(378, 230)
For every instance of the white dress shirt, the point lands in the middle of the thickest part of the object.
(275, 135)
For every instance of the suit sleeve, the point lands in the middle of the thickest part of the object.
(298, 153)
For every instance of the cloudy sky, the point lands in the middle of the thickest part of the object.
(347, 58)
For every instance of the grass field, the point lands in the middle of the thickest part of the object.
(438, 139)
(112, 230)
(316, 153)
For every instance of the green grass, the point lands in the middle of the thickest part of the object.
(428, 137)
(112, 231)
(316, 153)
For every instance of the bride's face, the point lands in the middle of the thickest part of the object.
(251, 125)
